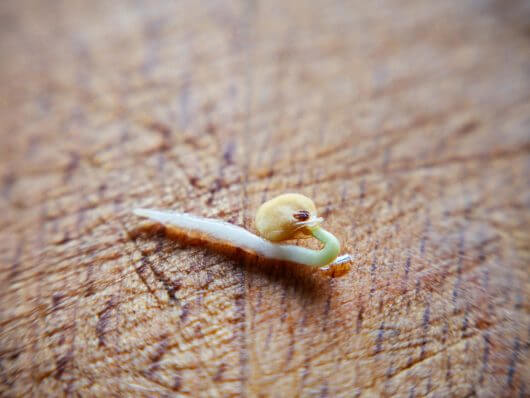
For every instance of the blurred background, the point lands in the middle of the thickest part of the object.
(406, 122)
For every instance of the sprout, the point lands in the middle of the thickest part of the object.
(285, 217)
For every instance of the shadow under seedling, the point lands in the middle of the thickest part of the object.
(301, 279)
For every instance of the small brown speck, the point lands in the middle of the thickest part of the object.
(301, 215)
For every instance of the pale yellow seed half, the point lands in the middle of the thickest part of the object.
(276, 219)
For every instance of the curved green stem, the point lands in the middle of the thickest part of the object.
(331, 248)
(314, 258)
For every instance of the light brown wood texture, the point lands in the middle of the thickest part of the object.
(407, 122)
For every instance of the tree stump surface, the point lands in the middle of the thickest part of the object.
(408, 124)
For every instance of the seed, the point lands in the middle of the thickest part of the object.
(278, 219)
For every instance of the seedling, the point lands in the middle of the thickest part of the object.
(285, 217)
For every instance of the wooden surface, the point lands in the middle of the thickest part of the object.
(407, 122)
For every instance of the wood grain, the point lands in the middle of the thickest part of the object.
(408, 124)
